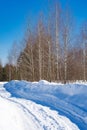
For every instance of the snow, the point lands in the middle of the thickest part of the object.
(43, 106)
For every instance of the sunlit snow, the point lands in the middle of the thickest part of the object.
(43, 106)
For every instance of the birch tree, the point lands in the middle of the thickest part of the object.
(1, 71)
(67, 31)
(30, 38)
(49, 42)
(40, 47)
(57, 24)
(84, 44)
(12, 60)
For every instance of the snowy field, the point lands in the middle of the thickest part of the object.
(43, 106)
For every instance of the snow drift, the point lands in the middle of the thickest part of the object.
(21, 114)
(68, 100)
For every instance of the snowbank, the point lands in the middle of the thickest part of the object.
(69, 100)
(69, 92)
(21, 114)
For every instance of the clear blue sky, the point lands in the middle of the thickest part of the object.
(14, 13)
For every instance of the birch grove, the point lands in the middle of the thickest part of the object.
(47, 52)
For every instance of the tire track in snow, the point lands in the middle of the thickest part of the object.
(27, 112)
(65, 109)
(53, 120)
(35, 118)
(4, 94)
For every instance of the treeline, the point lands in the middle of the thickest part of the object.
(52, 49)
(4, 72)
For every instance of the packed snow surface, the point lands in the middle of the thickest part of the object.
(43, 106)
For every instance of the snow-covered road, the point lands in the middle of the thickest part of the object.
(20, 107)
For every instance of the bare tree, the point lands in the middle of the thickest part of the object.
(12, 60)
(84, 44)
(67, 31)
(1, 70)
(49, 42)
(10, 63)
(30, 38)
(57, 24)
(40, 47)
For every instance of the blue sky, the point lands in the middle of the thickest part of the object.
(14, 14)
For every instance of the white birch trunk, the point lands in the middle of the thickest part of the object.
(39, 49)
(84, 62)
(57, 45)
